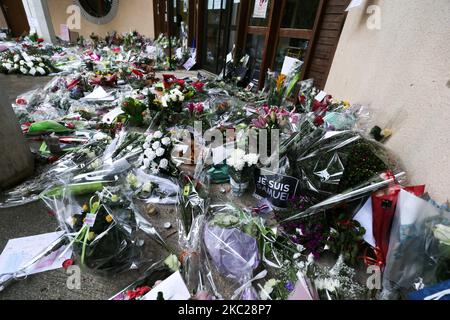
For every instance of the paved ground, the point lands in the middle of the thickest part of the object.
(33, 219)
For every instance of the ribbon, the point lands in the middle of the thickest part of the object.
(377, 261)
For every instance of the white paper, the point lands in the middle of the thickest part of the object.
(411, 208)
(260, 9)
(113, 114)
(229, 57)
(219, 155)
(365, 218)
(322, 94)
(21, 251)
(289, 64)
(354, 4)
(64, 32)
(99, 94)
(173, 288)
(189, 64)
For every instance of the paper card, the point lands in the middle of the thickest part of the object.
(289, 64)
(90, 219)
(354, 4)
(19, 252)
(322, 94)
(173, 288)
(112, 115)
(260, 9)
(99, 94)
(301, 291)
(219, 155)
(190, 63)
(229, 57)
(365, 218)
(64, 32)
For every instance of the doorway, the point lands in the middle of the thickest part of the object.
(221, 18)
(15, 16)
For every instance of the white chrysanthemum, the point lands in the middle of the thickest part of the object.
(251, 159)
(146, 145)
(164, 163)
(160, 152)
(158, 135)
(156, 145)
(165, 141)
(236, 160)
(155, 170)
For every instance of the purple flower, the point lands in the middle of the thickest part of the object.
(290, 286)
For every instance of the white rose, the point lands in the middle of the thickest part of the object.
(165, 141)
(8, 66)
(32, 71)
(146, 145)
(22, 62)
(23, 70)
(181, 98)
(16, 66)
(41, 65)
(150, 154)
(173, 97)
(30, 64)
(158, 135)
(164, 163)
(149, 138)
(16, 58)
(41, 70)
(156, 145)
(160, 152)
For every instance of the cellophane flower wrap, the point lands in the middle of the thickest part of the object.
(230, 241)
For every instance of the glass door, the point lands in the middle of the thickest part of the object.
(220, 33)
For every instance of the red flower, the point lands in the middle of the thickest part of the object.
(302, 99)
(116, 50)
(131, 295)
(70, 126)
(66, 264)
(198, 85)
(40, 40)
(53, 159)
(137, 73)
(319, 121)
(21, 101)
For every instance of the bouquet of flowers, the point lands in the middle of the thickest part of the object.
(231, 238)
(241, 166)
(20, 62)
(134, 110)
(157, 154)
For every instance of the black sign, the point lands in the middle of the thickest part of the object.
(278, 189)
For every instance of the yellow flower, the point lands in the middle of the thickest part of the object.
(173, 263)
(91, 236)
(346, 104)
(280, 81)
(85, 208)
(109, 218)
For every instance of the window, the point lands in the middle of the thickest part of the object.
(98, 11)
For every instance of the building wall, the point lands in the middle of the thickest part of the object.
(402, 72)
(132, 15)
(3, 23)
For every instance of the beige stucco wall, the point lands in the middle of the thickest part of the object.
(131, 15)
(403, 73)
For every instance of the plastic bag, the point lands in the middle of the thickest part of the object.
(414, 253)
